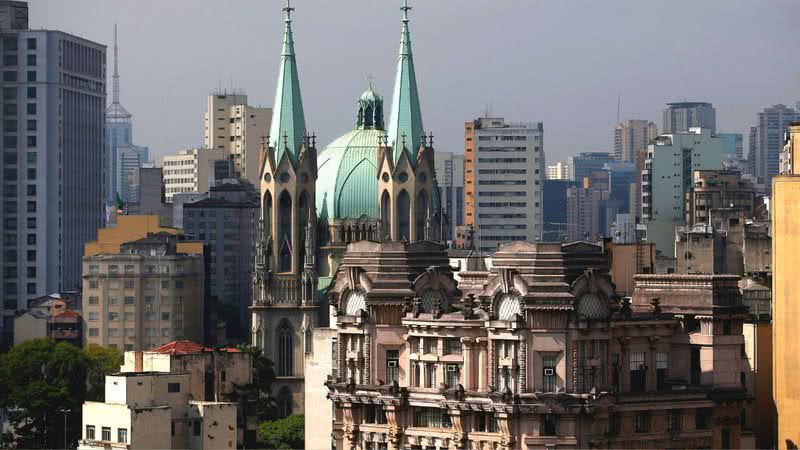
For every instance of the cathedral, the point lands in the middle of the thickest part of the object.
(374, 183)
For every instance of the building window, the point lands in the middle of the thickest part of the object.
(431, 418)
(674, 420)
(641, 422)
(374, 414)
(549, 425)
(549, 373)
(392, 366)
(285, 402)
(31, 92)
(453, 375)
(106, 434)
(113, 316)
(31, 60)
(485, 422)
(31, 43)
(638, 372)
(452, 346)
(701, 418)
(285, 349)
(122, 435)
(31, 141)
(662, 370)
(196, 427)
(430, 375)
(173, 387)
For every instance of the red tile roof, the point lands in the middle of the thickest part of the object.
(186, 347)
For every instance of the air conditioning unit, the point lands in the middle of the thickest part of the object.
(549, 371)
(452, 368)
(391, 363)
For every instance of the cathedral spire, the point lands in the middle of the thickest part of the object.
(288, 118)
(406, 116)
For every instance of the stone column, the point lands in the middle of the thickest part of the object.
(367, 377)
(482, 363)
(349, 428)
(624, 365)
(491, 351)
(468, 377)
(523, 364)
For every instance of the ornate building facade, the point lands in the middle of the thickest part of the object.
(537, 352)
(376, 182)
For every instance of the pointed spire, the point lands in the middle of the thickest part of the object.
(288, 118)
(406, 116)
(116, 112)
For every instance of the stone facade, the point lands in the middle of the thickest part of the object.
(538, 351)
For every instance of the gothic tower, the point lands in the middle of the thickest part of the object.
(407, 189)
(285, 308)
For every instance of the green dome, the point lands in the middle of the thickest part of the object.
(347, 181)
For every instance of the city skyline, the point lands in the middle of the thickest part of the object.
(545, 85)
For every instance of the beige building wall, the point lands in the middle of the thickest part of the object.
(188, 170)
(318, 366)
(130, 228)
(27, 326)
(786, 308)
(630, 136)
(233, 125)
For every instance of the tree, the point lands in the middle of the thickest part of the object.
(287, 433)
(101, 361)
(263, 377)
(43, 378)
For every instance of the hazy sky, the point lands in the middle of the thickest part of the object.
(560, 62)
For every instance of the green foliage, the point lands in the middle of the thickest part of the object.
(41, 379)
(263, 377)
(101, 361)
(287, 433)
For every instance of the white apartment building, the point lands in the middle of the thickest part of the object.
(149, 410)
(505, 177)
(188, 171)
(233, 125)
(559, 171)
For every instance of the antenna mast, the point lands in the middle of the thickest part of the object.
(116, 68)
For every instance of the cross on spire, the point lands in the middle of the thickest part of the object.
(405, 8)
(288, 9)
(370, 78)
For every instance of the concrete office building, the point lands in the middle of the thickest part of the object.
(239, 129)
(734, 145)
(667, 175)
(681, 116)
(554, 228)
(584, 164)
(504, 166)
(189, 170)
(766, 142)
(122, 155)
(142, 288)
(450, 179)
(631, 135)
(53, 98)
(785, 313)
(226, 220)
(559, 171)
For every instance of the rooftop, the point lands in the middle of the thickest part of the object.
(186, 347)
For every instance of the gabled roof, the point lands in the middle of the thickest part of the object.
(186, 347)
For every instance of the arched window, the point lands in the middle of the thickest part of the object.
(285, 232)
(285, 337)
(267, 213)
(403, 216)
(507, 307)
(285, 402)
(309, 340)
(386, 213)
(421, 215)
(369, 115)
(303, 204)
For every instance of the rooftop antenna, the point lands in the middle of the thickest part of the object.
(116, 68)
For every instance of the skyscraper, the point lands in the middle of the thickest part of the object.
(504, 181)
(584, 164)
(53, 91)
(123, 157)
(630, 136)
(766, 142)
(233, 125)
(450, 178)
(681, 116)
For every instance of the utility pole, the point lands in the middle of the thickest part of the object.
(65, 412)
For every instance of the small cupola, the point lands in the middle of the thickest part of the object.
(370, 111)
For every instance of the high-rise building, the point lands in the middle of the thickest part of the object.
(233, 125)
(122, 155)
(450, 179)
(227, 221)
(148, 292)
(584, 164)
(53, 97)
(129, 159)
(554, 210)
(681, 116)
(630, 136)
(559, 171)
(785, 314)
(667, 175)
(504, 170)
(190, 170)
(766, 142)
